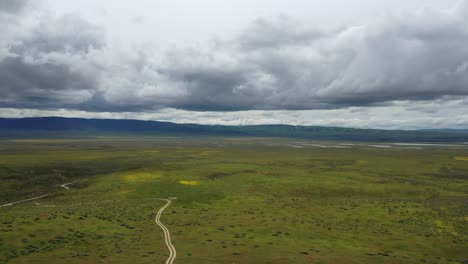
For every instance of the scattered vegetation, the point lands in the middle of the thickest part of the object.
(241, 200)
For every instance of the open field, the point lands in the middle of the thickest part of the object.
(239, 200)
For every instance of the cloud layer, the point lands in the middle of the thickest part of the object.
(398, 115)
(65, 62)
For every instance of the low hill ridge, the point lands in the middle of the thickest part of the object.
(63, 127)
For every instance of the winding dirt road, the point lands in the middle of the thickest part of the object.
(167, 234)
(65, 186)
(25, 200)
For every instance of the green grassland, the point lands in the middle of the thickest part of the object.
(239, 200)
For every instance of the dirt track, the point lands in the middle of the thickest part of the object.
(167, 234)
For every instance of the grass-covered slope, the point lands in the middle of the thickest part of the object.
(57, 126)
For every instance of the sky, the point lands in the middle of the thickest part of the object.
(391, 64)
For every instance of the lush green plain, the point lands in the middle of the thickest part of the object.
(239, 200)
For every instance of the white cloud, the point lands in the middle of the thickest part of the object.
(403, 70)
(398, 115)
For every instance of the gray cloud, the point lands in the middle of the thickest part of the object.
(68, 33)
(422, 57)
(398, 115)
(17, 75)
(13, 6)
(47, 66)
(41, 85)
(263, 33)
(273, 64)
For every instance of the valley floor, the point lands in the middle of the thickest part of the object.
(239, 200)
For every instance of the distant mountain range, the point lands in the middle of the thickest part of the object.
(79, 127)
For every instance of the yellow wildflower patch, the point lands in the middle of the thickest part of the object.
(152, 151)
(461, 158)
(207, 153)
(188, 182)
(142, 176)
(361, 162)
(439, 223)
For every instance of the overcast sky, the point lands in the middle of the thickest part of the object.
(361, 63)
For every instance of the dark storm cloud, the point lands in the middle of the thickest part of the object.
(18, 75)
(69, 33)
(40, 85)
(47, 67)
(272, 64)
(276, 66)
(263, 33)
(13, 6)
(210, 88)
